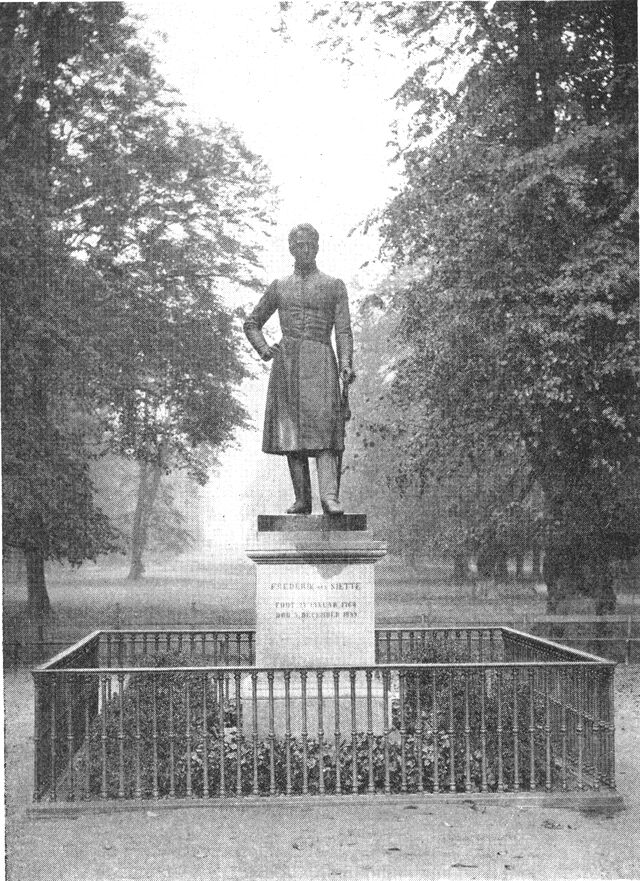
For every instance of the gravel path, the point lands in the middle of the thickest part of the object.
(333, 840)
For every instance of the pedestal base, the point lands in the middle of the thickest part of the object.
(314, 609)
(315, 591)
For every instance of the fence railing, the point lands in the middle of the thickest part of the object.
(172, 714)
(616, 635)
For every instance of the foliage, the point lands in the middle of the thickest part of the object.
(167, 211)
(121, 224)
(48, 507)
(424, 745)
(171, 525)
(447, 507)
(514, 238)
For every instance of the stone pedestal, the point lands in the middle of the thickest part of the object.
(346, 708)
(315, 607)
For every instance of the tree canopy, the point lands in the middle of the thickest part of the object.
(515, 241)
(48, 508)
(121, 225)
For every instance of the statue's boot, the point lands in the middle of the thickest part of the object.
(301, 479)
(327, 465)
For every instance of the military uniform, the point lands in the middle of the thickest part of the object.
(303, 411)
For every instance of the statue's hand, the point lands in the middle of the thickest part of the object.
(347, 375)
(269, 352)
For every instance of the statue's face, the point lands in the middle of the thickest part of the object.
(303, 246)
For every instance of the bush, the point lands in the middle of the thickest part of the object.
(180, 759)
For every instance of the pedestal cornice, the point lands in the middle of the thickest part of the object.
(308, 539)
(312, 552)
(312, 523)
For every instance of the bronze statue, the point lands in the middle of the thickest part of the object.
(305, 413)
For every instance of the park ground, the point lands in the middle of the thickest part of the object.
(418, 838)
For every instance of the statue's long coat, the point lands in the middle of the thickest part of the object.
(303, 411)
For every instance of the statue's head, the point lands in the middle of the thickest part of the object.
(303, 244)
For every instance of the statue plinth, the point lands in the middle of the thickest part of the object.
(315, 591)
(312, 523)
(315, 605)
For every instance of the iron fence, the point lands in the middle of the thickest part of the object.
(176, 714)
(617, 635)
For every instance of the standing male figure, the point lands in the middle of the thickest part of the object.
(304, 414)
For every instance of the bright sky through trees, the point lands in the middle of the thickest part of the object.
(323, 129)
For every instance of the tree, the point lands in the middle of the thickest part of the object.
(444, 509)
(48, 507)
(516, 229)
(168, 212)
(174, 524)
(122, 221)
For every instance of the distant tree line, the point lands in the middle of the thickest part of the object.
(510, 384)
(120, 224)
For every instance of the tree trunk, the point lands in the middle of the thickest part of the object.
(501, 571)
(519, 566)
(137, 538)
(193, 510)
(624, 33)
(527, 105)
(549, 48)
(460, 567)
(37, 596)
(601, 586)
(485, 562)
(539, 34)
(556, 573)
(536, 558)
(569, 573)
(148, 485)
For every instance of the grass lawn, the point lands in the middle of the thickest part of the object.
(204, 591)
(200, 589)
